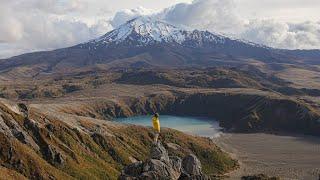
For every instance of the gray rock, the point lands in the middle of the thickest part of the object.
(52, 155)
(20, 135)
(191, 165)
(176, 165)
(49, 153)
(134, 169)
(12, 128)
(191, 169)
(149, 175)
(173, 146)
(7, 151)
(4, 128)
(160, 166)
(58, 158)
(50, 127)
(23, 109)
(159, 152)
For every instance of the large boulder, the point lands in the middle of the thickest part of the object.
(191, 169)
(160, 169)
(132, 171)
(191, 165)
(159, 152)
(161, 166)
(176, 163)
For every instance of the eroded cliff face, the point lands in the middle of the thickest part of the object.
(240, 112)
(41, 145)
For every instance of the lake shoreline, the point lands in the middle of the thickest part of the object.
(285, 155)
(199, 126)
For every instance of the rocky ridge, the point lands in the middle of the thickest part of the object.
(162, 166)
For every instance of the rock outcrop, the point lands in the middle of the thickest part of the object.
(162, 166)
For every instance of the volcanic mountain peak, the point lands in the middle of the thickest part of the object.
(154, 43)
(143, 31)
(146, 29)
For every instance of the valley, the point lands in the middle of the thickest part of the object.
(58, 109)
(289, 156)
(241, 104)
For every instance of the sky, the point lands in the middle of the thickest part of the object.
(35, 25)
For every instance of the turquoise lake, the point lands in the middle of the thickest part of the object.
(193, 125)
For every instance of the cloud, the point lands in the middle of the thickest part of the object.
(56, 7)
(48, 24)
(200, 14)
(213, 15)
(284, 35)
(43, 25)
(8, 50)
(12, 31)
(10, 28)
(221, 16)
(125, 15)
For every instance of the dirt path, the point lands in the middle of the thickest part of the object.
(288, 157)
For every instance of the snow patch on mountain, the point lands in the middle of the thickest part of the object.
(146, 29)
(143, 31)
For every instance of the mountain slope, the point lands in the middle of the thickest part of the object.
(41, 145)
(149, 42)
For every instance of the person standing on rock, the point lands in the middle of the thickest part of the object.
(156, 126)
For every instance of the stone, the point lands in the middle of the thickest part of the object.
(176, 165)
(161, 166)
(53, 156)
(149, 175)
(58, 158)
(50, 127)
(191, 165)
(49, 153)
(134, 169)
(173, 146)
(159, 152)
(23, 109)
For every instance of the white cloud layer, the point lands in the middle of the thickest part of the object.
(221, 16)
(214, 15)
(49, 24)
(284, 35)
(43, 25)
(127, 14)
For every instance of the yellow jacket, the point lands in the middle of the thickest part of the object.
(156, 124)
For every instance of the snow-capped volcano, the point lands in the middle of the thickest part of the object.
(145, 31)
(147, 28)
(146, 42)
